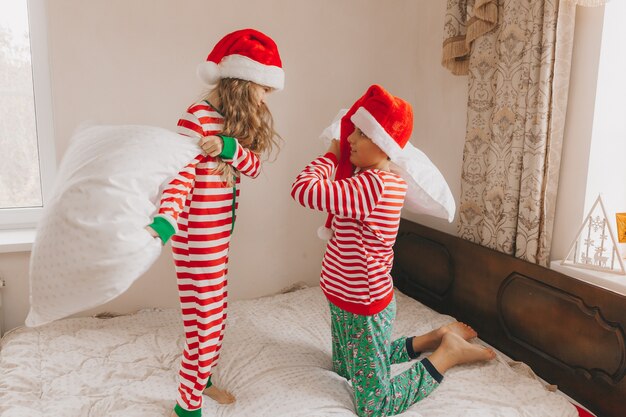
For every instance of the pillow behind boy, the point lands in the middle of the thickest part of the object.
(91, 243)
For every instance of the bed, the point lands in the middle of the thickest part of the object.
(569, 332)
(276, 354)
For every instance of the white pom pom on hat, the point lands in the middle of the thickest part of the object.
(209, 72)
(245, 54)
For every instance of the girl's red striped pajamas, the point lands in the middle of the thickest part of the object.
(200, 208)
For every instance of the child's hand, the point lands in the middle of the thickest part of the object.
(211, 145)
(334, 147)
(152, 232)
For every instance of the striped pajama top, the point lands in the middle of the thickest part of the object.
(356, 269)
(198, 194)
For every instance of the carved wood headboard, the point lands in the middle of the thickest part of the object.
(571, 333)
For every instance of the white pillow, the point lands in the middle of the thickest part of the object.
(427, 189)
(91, 243)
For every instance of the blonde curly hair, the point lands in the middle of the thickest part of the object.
(246, 120)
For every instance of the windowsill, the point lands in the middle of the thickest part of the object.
(607, 280)
(16, 240)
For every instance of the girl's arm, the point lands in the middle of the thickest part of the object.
(199, 120)
(173, 199)
(354, 197)
(172, 202)
(231, 152)
(242, 159)
(202, 122)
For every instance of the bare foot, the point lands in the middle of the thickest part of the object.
(454, 350)
(431, 340)
(173, 414)
(219, 395)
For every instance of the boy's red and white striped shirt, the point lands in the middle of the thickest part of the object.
(356, 270)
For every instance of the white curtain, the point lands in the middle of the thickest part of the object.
(587, 3)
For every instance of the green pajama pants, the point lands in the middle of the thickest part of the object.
(363, 353)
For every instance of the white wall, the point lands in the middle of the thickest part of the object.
(134, 62)
(439, 103)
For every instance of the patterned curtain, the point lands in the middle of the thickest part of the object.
(517, 55)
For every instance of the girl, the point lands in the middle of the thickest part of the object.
(198, 208)
(355, 278)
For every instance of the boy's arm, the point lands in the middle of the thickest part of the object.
(354, 197)
(172, 202)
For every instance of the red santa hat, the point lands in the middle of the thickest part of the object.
(388, 121)
(246, 54)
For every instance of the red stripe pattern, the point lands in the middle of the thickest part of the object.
(358, 259)
(200, 206)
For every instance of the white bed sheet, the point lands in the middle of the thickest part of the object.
(276, 359)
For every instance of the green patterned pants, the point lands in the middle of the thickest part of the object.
(363, 353)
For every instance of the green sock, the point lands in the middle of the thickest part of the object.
(181, 412)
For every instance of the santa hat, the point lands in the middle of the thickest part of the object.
(388, 121)
(246, 54)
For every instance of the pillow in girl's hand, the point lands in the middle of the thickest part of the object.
(91, 243)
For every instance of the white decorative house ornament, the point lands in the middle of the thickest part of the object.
(595, 246)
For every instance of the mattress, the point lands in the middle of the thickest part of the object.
(276, 359)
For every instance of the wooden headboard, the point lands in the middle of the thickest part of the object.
(569, 332)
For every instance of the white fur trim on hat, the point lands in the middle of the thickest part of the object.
(208, 72)
(242, 67)
(428, 192)
(373, 130)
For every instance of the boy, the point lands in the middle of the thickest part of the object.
(365, 209)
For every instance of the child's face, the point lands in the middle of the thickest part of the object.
(260, 92)
(364, 153)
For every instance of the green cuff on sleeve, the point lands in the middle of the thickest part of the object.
(164, 229)
(229, 148)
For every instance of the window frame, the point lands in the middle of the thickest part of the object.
(27, 218)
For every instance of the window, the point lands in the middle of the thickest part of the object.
(605, 169)
(27, 160)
